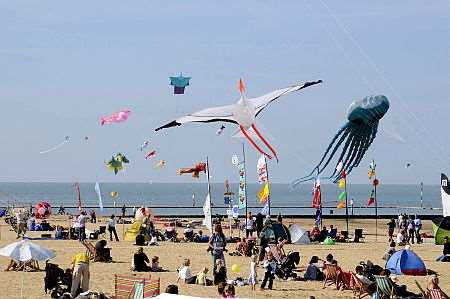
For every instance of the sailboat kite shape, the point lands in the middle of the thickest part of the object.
(243, 113)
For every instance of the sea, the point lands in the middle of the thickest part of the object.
(188, 199)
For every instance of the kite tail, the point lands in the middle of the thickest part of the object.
(102, 121)
(253, 143)
(265, 142)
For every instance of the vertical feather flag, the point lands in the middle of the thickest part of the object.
(242, 198)
(341, 205)
(77, 188)
(342, 184)
(317, 194)
(265, 209)
(371, 198)
(207, 212)
(261, 170)
(372, 177)
(264, 193)
(99, 195)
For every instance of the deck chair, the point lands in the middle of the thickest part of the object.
(278, 255)
(358, 235)
(126, 287)
(344, 279)
(90, 250)
(385, 288)
(434, 294)
(331, 276)
(359, 289)
(102, 231)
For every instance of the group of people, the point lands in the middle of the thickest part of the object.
(409, 228)
(319, 235)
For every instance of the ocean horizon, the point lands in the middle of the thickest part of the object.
(188, 198)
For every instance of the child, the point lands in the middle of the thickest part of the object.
(185, 274)
(252, 279)
(201, 278)
(155, 265)
(220, 287)
(229, 291)
(220, 273)
(269, 271)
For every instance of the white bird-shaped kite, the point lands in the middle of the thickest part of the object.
(242, 113)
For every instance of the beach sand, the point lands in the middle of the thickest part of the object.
(171, 256)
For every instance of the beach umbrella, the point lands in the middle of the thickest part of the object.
(441, 229)
(24, 251)
(406, 262)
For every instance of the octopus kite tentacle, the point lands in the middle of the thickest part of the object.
(265, 141)
(358, 133)
(253, 143)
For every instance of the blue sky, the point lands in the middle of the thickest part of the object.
(63, 65)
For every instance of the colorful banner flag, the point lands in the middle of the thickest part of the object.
(77, 188)
(265, 209)
(261, 169)
(318, 217)
(341, 184)
(264, 193)
(317, 194)
(371, 198)
(342, 195)
(99, 195)
(242, 194)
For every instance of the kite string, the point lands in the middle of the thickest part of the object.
(55, 147)
(382, 76)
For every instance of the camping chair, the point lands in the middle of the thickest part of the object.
(331, 276)
(385, 287)
(359, 289)
(358, 235)
(102, 231)
(127, 286)
(90, 250)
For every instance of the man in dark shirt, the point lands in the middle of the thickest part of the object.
(446, 252)
(140, 261)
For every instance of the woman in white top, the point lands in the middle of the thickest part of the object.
(184, 273)
(82, 226)
(250, 225)
(112, 228)
(252, 278)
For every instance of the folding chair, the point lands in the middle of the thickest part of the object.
(331, 276)
(126, 287)
(385, 288)
(359, 289)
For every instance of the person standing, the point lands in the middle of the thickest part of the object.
(411, 230)
(418, 227)
(21, 224)
(82, 226)
(217, 244)
(112, 228)
(280, 218)
(93, 216)
(259, 223)
(124, 211)
(391, 227)
(269, 271)
(249, 226)
(80, 273)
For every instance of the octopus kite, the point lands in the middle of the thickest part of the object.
(199, 167)
(242, 113)
(358, 133)
(115, 117)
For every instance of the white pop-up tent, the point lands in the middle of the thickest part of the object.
(298, 235)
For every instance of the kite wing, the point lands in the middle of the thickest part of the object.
(221, 113)
(263, 101)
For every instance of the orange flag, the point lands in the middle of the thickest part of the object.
(341, 205)
(241, 86)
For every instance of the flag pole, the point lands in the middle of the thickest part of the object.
(245, 184)
(209, 191)
(320, 206)
(375, 183)
(346, 202)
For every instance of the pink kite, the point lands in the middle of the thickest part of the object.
(150, 154)
(115, 117)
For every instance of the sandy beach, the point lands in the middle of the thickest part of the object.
(172, 254)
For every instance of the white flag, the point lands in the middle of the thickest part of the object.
(207, 212)
(99, 195)
(261, 168)
(339, 166)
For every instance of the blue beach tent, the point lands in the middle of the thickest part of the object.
(406, 262)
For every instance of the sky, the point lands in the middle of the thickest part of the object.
(65, 64)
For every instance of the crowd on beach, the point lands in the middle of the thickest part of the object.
(266, 256)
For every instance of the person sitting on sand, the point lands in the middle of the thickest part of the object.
(390, 251)
(328, 260)
(314, 235)
(229, 291)
(140, 260)
(323, 233)
(155, 265)
(185, 274)
(433, 284)
(202, 278)
(102, 253)
(332, 232)
(59, 232)
(170, 233)
(188, 233)
(445, 257)
(220, 272)
(314, 269)
(200, 238)
(242, 247)
(401, 238)
(19, 266)
(220, 287)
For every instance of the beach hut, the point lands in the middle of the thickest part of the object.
(276, 230)
(298, 235)
(441, 229)
(406, 262)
